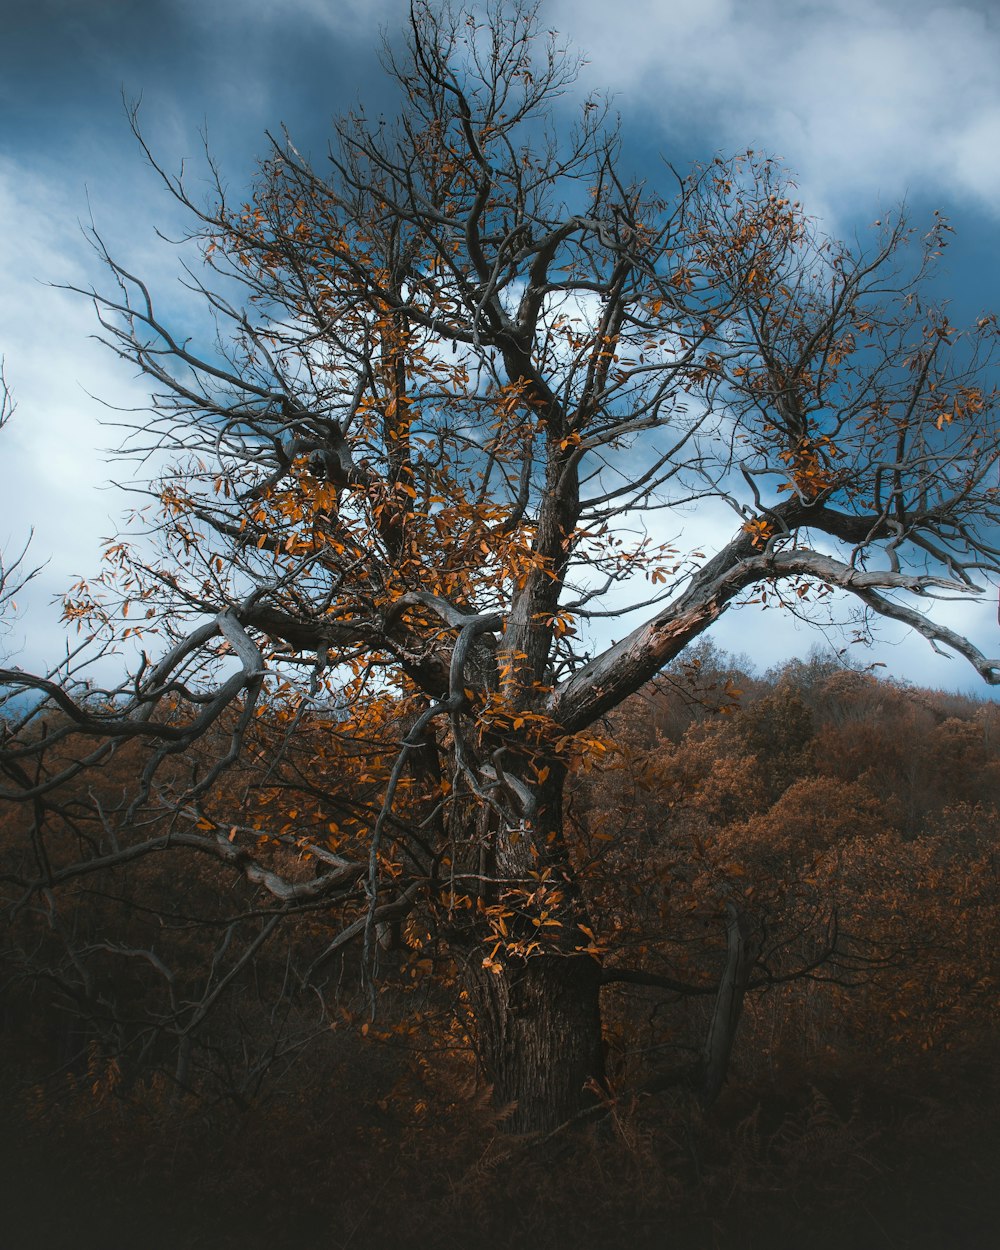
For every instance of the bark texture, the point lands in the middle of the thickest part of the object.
(538, 1032)
(742, 946)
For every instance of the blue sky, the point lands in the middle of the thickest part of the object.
(868, 101)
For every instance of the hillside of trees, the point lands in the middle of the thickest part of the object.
(854, 818)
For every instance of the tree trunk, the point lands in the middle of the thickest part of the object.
(742, 947)
(533, 997)
(538, 1032)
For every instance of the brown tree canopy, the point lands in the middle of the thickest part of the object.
(470, 388)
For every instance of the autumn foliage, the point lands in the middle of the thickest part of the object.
(825, 798)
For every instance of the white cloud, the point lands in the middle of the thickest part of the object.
(863, 98)
(53, 470)
(772, 636)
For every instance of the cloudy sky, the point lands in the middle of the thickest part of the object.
(869, 101)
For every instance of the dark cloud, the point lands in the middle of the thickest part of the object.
(235, 69)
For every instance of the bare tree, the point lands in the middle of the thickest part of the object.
(471, 388)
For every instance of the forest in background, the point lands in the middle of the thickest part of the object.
(854, 816)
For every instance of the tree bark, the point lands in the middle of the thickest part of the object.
(538, 1032)
(742, 947)
(533, 997)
